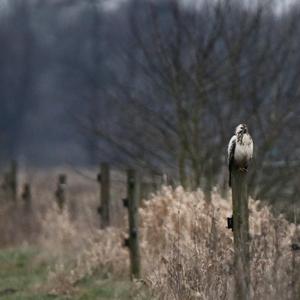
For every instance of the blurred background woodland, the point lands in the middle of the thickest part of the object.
(153, 84)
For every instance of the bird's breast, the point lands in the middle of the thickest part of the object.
(243, 152)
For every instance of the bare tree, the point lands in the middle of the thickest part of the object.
(191, 75)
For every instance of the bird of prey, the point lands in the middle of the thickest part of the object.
(240, 150)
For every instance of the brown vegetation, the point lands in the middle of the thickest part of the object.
(186, 249)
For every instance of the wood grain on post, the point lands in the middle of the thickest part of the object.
(104, 209)
(133, 188)
(241, 234)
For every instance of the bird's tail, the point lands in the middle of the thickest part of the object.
(229, 182)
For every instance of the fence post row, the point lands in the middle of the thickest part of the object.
(104, 208)
(241, 234)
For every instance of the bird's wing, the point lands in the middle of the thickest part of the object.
(251, 147)
(231, 148)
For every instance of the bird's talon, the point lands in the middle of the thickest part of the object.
(245, 170)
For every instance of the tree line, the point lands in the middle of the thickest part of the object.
(161, 85)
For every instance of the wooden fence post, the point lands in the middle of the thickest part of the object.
(104, 208)
(10, 183)
(14, 179)
(61, 191)
(26, 196)
(295, 248)
(241, 234)
(133, 189)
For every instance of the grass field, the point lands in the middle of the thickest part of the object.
(23, 276)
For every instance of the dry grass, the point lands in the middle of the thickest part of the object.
(187, 251)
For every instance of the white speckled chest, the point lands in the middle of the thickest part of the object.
(243, 149)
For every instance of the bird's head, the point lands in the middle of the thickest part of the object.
(241, 129)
